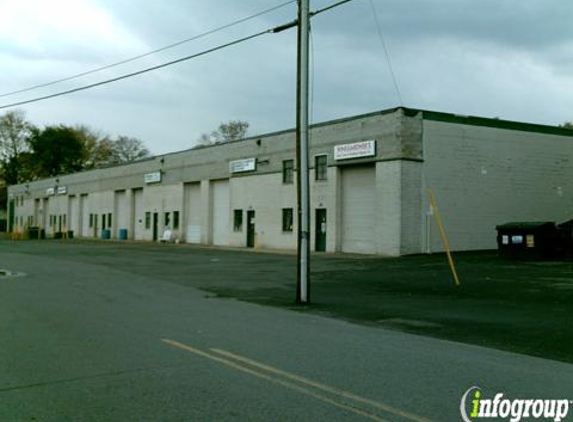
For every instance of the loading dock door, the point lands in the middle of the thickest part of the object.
(85, 212)
(74, 217)
(359, 209)
(121, 213)
(193, 213)
(221, 212)
(138, 214)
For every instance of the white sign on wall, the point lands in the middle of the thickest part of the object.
(355, 150)
(50, 191)
(62, 190)
(238, 166)
(154, 177)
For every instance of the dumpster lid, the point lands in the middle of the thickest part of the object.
(528, 225)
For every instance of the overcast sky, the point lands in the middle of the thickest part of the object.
(511, 59)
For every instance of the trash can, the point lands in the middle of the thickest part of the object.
(34, 233)
(70, 234)
(58, 235)
(122, 235)
(42, 234)
(105, 234)
(527, 240)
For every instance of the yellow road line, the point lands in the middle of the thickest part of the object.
(346, 394)
(269, 378)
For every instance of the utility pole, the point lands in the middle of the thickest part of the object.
(303, 186)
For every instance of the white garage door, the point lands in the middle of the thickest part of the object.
(74, 217)
(139, 224)
(85, 213)
(121, 211)
(359, 209)
(193, 213)
(221, 212)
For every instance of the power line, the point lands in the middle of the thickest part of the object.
(140, 72)
(172, 62)
(332, 6)
(158, 50)
(379, 28)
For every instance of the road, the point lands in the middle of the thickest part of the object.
(90, 341)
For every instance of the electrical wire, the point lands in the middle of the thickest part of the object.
(379, 28)
(170, 63)
(332, 6)
(140, 72)
(158, 50)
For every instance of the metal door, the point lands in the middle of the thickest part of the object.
(320, 230)
(250, 229)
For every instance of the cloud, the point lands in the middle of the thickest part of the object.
(505, 58)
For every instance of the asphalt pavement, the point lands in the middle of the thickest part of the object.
(88, 339)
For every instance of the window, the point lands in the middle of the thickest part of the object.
(103, 226)
(238, 220)
(64, 218)
(109, 220)
(167, 216)
(147, 220)
(288, 171)
(91, 220)
(320, 167)
(287, 219)
(175, 220)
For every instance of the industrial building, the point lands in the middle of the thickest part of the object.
(369, 180)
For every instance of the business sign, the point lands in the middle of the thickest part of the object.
(238, 166)
(355, 150)
(50, 191)
(62, 190)
(154, 177)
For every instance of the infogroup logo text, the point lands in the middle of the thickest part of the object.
(474, 407)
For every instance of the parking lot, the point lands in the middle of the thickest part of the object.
(520, 306)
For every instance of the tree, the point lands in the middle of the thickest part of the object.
(126, 149)
(97, 147)
(57, 150)
(567, 125)
(15, 132)
(226, 132)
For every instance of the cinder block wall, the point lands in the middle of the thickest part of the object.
(485, 176)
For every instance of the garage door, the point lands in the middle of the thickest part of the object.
(85, 213)
(121, 211)
(221, 212)
(359, 209)
(74, 217)
(138, 214)
(193, 213)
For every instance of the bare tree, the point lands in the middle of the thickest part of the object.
(205, 139)
(567, 125)
(126, 149)
(233, 130)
